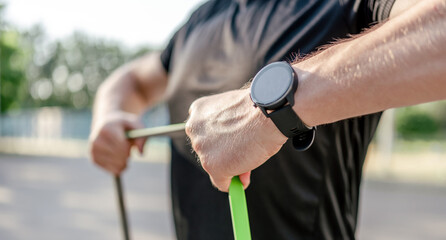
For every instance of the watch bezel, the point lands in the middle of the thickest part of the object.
(286, 97)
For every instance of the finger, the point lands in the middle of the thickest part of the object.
(118, 138)
(130, 125)
(139, 143)
(108, 166)
(118, 144)
(245, 178)
(221, 183)
(108, 154)
(114, 167)
(112, 135)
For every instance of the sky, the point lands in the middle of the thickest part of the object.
(133, 22)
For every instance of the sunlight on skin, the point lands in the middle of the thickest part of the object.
(391, 52)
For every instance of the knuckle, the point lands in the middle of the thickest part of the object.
(206, 165)
(94, 150)
(105, 132)
(96, 161)
(197, 145)
(193, 107)
(221, 189)
(196, 105)
(218, 185)
(189, 128)
(122, 165)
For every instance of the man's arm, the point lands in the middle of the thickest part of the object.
(132, 87)
(402, 62)
(120, 101)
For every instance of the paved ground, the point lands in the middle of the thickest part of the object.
(396, 211)
(46, 198)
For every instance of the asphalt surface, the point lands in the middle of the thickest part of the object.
(45, 198)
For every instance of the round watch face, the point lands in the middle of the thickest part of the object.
(272, 84)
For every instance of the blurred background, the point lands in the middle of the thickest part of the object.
(53, 57)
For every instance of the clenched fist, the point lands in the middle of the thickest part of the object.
(109, 146)
(231, 136)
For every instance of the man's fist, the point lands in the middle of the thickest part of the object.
(109, 146)
(231, 137)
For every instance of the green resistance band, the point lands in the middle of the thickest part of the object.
(239, 210)
(237, 199)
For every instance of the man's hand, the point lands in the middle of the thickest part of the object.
(109, 146)
(122, 97)
(231, 136)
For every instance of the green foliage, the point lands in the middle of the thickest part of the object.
(68, 72)
(413, 122)
(11, 71)
(12, 78)
(37, 72)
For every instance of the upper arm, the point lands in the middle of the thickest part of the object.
(149, 76)
(400, 6)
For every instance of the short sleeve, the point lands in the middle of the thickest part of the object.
(202, 13)
(167, 53)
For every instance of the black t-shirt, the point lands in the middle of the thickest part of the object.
(295, 195)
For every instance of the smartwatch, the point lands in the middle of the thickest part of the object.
(272, 90)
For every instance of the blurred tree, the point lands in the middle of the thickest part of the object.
(13, 87)
(68, 72)
(37, 72)
(438, 110)
(416, 122)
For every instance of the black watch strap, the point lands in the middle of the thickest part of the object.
(291, 126)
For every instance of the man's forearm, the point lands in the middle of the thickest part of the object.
(119, 101)
(131, 88)
(402, 62)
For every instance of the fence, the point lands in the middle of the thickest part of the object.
(56, 131)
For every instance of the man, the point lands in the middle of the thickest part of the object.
(400, 63)
(295, 195)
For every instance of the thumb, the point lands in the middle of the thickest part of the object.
(130, 124)
(139, 142)
(245, 178)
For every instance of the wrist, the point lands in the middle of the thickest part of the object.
(273, 91)
(304, 104)
(99, 120)
(263, 123)
(268, 125)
